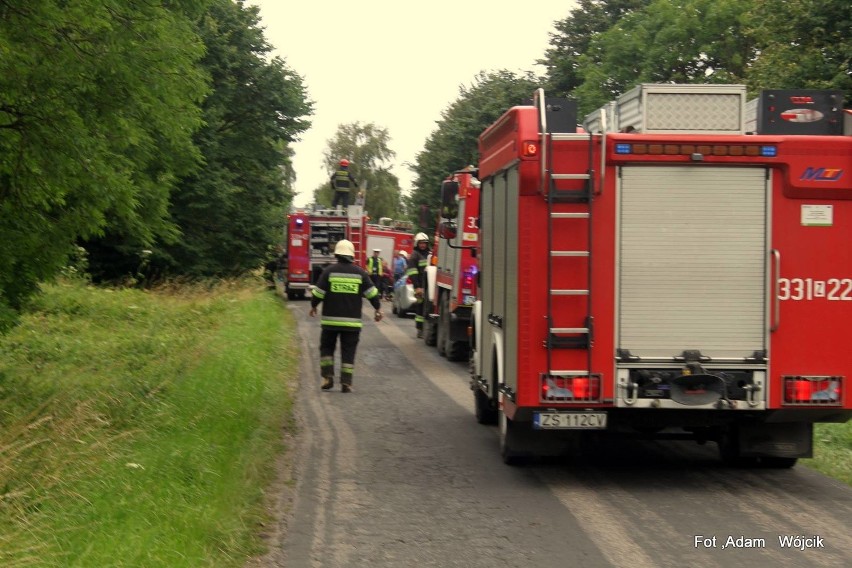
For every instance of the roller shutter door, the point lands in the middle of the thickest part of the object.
(692, 261)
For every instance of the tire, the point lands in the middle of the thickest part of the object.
(729, 450)
(443, 327)
(396, 311)
(458, 351)
(430, 329)
(485, 412)
(510, 449)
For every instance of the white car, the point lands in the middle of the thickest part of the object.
(403, 297)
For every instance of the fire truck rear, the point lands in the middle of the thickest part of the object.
(453, 292)
(669, 273)
(312, 234)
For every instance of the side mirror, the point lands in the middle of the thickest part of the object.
(449, 199)
(448, 230)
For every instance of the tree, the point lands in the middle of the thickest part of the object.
(98, 103)
(230, 212)
(677, 41)
(367, 147)
(803, 44)
(574, 35)
(454, 143)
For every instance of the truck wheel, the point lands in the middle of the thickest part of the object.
(458, 351)
(430, 327)
(510, 449)
(485, 411)
(443, 327)
(729, 450)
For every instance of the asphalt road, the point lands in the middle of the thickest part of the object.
(399, 474)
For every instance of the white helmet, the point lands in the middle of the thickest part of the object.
(403, 254)
(421, 237)
(344, 248)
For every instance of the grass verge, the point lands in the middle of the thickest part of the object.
(136, 428)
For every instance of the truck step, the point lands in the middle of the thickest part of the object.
(569, 195)
(563, 342)
(569, 215)
(569, 292)
(569, 253)
(570, 176)
(569, 330)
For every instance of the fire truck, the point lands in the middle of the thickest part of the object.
(452, 274)
(665, 272)
(312, 233)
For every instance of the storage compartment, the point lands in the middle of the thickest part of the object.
(673, 109)
(798, 111)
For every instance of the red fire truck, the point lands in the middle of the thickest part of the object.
(312, 233)
(665, 273)
(453, 271)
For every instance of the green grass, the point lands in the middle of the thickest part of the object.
(137, 427)
(833, 451)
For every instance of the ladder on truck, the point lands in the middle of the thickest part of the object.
(355, 221)
(562, 334)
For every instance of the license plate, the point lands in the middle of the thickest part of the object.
(569, 420)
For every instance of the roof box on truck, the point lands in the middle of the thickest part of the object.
(682, 109)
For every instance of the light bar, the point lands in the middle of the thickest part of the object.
(691, 150)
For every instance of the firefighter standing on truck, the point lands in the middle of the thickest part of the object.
(417, 263)
(342, 181)
(340, 288)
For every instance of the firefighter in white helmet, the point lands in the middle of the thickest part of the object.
(339, 289)
(417, 263)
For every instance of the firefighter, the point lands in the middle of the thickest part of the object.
(399, 265)
(341, 182)
(375, 268)
(417, 263)
(340, 288)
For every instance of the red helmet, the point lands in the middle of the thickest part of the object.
(344, 162)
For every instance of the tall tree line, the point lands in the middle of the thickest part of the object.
(151, 133)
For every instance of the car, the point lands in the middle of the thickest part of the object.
(403, 297)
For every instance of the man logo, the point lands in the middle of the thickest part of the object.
(822, 174)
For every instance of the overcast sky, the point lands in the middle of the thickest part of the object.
(397, 64)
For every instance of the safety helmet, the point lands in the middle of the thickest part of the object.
(344, 248)
(344, 162)
(377, 250)
(421, 237)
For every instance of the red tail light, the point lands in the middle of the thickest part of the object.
(571, 389)
(817, 390)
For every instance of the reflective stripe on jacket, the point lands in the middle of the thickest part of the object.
(373, 260)
(342, 180)
(340, 289)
